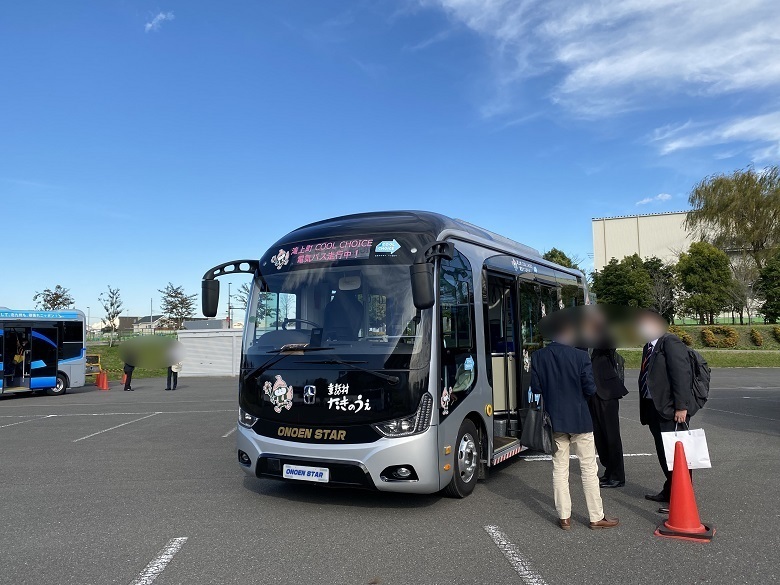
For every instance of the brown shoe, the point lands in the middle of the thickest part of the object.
(565, 523)
(604, 523)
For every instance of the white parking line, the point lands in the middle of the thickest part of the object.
(157, 564)
(116, 427)
(739, 413)
(21, 422)
(116, 413)
(521, 566)
(230, 432)
(549, 457)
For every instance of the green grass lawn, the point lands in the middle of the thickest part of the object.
(719, 359)
(113, 364)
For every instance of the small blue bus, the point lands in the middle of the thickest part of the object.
(42, 351)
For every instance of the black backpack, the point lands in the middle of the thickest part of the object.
(700, 376)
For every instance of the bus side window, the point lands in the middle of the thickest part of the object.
(72, 340)
(458, 335)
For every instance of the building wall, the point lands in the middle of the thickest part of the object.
(211, 352)
(662, 235)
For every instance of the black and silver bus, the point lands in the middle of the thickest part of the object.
(390, 350)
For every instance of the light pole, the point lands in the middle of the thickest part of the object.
(89, 328)
(151, 316)
(230, 317)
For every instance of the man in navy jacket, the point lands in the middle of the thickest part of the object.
(563, 375)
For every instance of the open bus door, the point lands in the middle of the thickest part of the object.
(43, 358)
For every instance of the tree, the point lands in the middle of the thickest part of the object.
(663, 287)
(112, 305)
(624, 283)
(242, 296)
(769, 286)
(743, 291)
(560, 257)
(177, 305)
(52, 300)
(740, 211)
(705, 276)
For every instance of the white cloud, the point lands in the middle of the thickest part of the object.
(659, 197)
(761, 132)
(606, 57)
(155, 24)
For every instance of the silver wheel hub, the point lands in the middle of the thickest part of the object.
(467, 458)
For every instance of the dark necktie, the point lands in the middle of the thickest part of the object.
(644, 389)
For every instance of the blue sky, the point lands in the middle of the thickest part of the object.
(143, 142)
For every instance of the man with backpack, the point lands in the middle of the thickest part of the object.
(667, 392)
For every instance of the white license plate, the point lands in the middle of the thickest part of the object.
(305, 473)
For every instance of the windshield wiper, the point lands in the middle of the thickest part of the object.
(284, 351)
(393, 380)
(292, 347)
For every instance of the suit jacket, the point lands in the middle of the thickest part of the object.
(608, 383)
(563, 375)
(669, 380)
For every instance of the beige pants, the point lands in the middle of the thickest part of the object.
(584, 447)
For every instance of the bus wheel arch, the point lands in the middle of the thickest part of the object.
(62, 385)
(468, 459)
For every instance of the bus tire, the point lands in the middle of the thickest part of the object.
(60, 388)
(467, 454)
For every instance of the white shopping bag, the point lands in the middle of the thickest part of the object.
(695, 444)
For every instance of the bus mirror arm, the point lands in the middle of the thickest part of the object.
(422, 272)
(210, 286)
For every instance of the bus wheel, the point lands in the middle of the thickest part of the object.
(466, 461)
(60, 388)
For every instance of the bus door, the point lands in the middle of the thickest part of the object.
(501, 312)
(43, 358)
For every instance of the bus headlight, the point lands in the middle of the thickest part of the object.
(409, 425)
(245, 419)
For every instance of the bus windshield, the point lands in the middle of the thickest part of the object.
(361, 309)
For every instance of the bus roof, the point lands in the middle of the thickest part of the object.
(7, 314)
(435, 225)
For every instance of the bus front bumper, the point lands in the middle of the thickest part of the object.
(354, 465)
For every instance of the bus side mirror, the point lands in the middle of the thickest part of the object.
(422, 285)
(210, 297)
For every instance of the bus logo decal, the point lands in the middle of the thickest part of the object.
(281, 259)
(309, 394)
(279, 394)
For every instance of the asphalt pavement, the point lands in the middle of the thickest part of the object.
(134, 487)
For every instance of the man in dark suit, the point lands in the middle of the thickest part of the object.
(605, 411)
(563, 376)
(665, 388)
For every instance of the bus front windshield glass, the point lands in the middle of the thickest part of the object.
(340, 312)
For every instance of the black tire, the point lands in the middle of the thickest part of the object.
(60, 388)
(467, 461)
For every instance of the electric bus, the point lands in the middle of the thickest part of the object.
(390, 351)
(42, 351)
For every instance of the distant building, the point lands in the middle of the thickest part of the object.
(656, 234)
(126, 324)
(148, 324)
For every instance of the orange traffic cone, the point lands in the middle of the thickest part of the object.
(684, 522)
(124, 379)
(103, 380)
(97, 378)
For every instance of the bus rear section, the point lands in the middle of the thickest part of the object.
(41, 351)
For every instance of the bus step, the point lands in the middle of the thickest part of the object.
(506, 447)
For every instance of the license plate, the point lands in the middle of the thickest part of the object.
(305, 473)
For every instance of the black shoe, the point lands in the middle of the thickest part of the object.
(127, 389)
(167, 389)
(663, 510)
(612, 483)
(174, 388)
(662, 497)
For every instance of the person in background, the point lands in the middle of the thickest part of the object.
(173, 374)
(128, 370)
(604, 408)
(665, 387)
(563, 375)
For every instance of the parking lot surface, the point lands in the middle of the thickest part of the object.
(135, 487)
